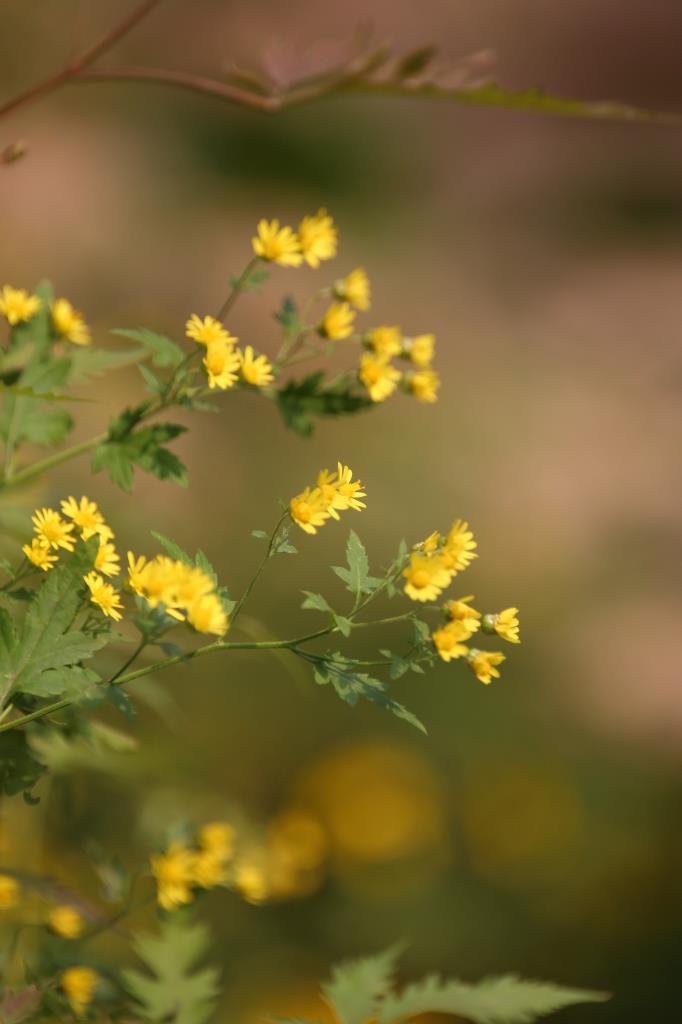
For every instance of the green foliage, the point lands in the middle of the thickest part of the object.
(301, 401)
(251, 280)
(162, 350)
(289, 317)
(173, 990)
(144, 447)
(352, 685)
(357, 987)
(19, 768)
(356, 576)
(95, 747)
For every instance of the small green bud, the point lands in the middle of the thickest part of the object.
(488, 623)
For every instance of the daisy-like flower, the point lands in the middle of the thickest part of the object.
(309, 509)
(79, 985)
(337, 322)
(256, 370)
(222, 365)
(69, 323)
(426, 577)
(52, 529)
(207, 331)
(505, 624)
(40, 554)
(378, 376)
(10, 892)
(104, 596)
(460, 547)
(85, 514)
(355, 289)
(318, 237)
(448, 641)
(461, 611)
(17, 305)
(484, 664)
(107, 559)
(277, 244)
(424, 385)
(174, 874)
(207, 615)
(420, 350)
(340, 491)
(385, 341)
(66, 921)
(136, 573)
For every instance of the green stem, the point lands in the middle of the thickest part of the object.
(36, 468)
(237, 289)
(252, 582)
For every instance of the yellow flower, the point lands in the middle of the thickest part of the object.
(174, 874)
(40, 554)
(354, 288)
(309, 509)
(426, 577)
(424, 385)
(318, 238)
(277, 245)
(505, 624)
(340, 491)
(136, 573)
(79, 984)
(51, 528)
(84, 514)
(70, 323)
(107, 559)
(207, 331)
(378, 376)
(256, 370)
(221, 364)
(10, 892)
(460, 547)
(207, 615)
(66, 921)
(385, 341)
(209, 869)
(460, 611)
(217, 837)
(251, 882)
(17, 305)
(448, 641)
(430, 543)
(483, 664)
(104, 596)
(420, 350)
(337, 322)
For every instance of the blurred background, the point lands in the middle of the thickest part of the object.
(537, 827)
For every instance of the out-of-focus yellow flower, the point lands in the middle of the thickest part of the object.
(461, 611)
(66, 921)
(424, 385)
(207, 615)
(69, 323)
(385, 341)
(420, 350)
(85, 514)
(256, 370)
(448, 641)
(277, 244)
(379, 376)
(17, 305)
(484, 664)
(221, 363)
(505, 624)
(79, 985)
(318, 237)
(210, 869)
(460, 547)
(39, 553)
(217, 837)
(251, 881)
(426, 577)
(174, 872)
(104, 596)
(337, 322)
(309, 509)
(207, 331)
(355, 289)
(10, 892)
(107, 559)
(136, 574)
(52, 529)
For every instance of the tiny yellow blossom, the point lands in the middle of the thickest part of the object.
(460, 547)
(66, 921)
(461, 611)
(217, 837)
(277, 244)
(40, 554)
(69, 323)
(420, 350)
(355, 289)
(174, 874)
(256, 370)
(104, 596)
(425, 577)
(424, 385)
(136, 573)
(222, 365)
(107, 559)
(17, 305)
(448, 641)
(379, 376)
(52, 529)
(337, 322)
(483, 664)
(207, 615)
(385, 341)
(318, 238)
(251, 882)
(340, 491)
(10, 892)
(85, 514)
(207, 331)
(309, 509)
(505, 624)
(78, 985)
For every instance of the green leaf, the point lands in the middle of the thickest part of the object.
(260, 534)
(344, 625)
(154, 384)
(351, 685)
(357, 563)
(504, 1000)
(301, 401)
(92, 361)
(173, 990)
(116, 461)
(127, 448)
(289, 318)
(172, 549)
(163, 351)
(19, 769)
(97, 747)
(316, 602)
(251, 281)
(415, 62)
(356, 987)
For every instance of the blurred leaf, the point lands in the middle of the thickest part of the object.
(356, 987)
(163, 351)
(301, 401)
(289, 318)
(97, 747)
(19, 769)
(92, 361)
(143, 448)
(415, 62)
(252, 280)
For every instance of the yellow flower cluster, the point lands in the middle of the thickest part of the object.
(315, 240)
(19, 306)
(79, 985)
(63, 919)
(224, 362)
(186, 592)
(181, 868)
(381, 377)
(332, 493)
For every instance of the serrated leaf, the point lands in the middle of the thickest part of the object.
(351, 686)
(356, 987)
(300, 401)
(115, 460)
(172, 549)
(163, 351)
(154, 384)
(343, 624)
(316, 602)
(357, 563)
